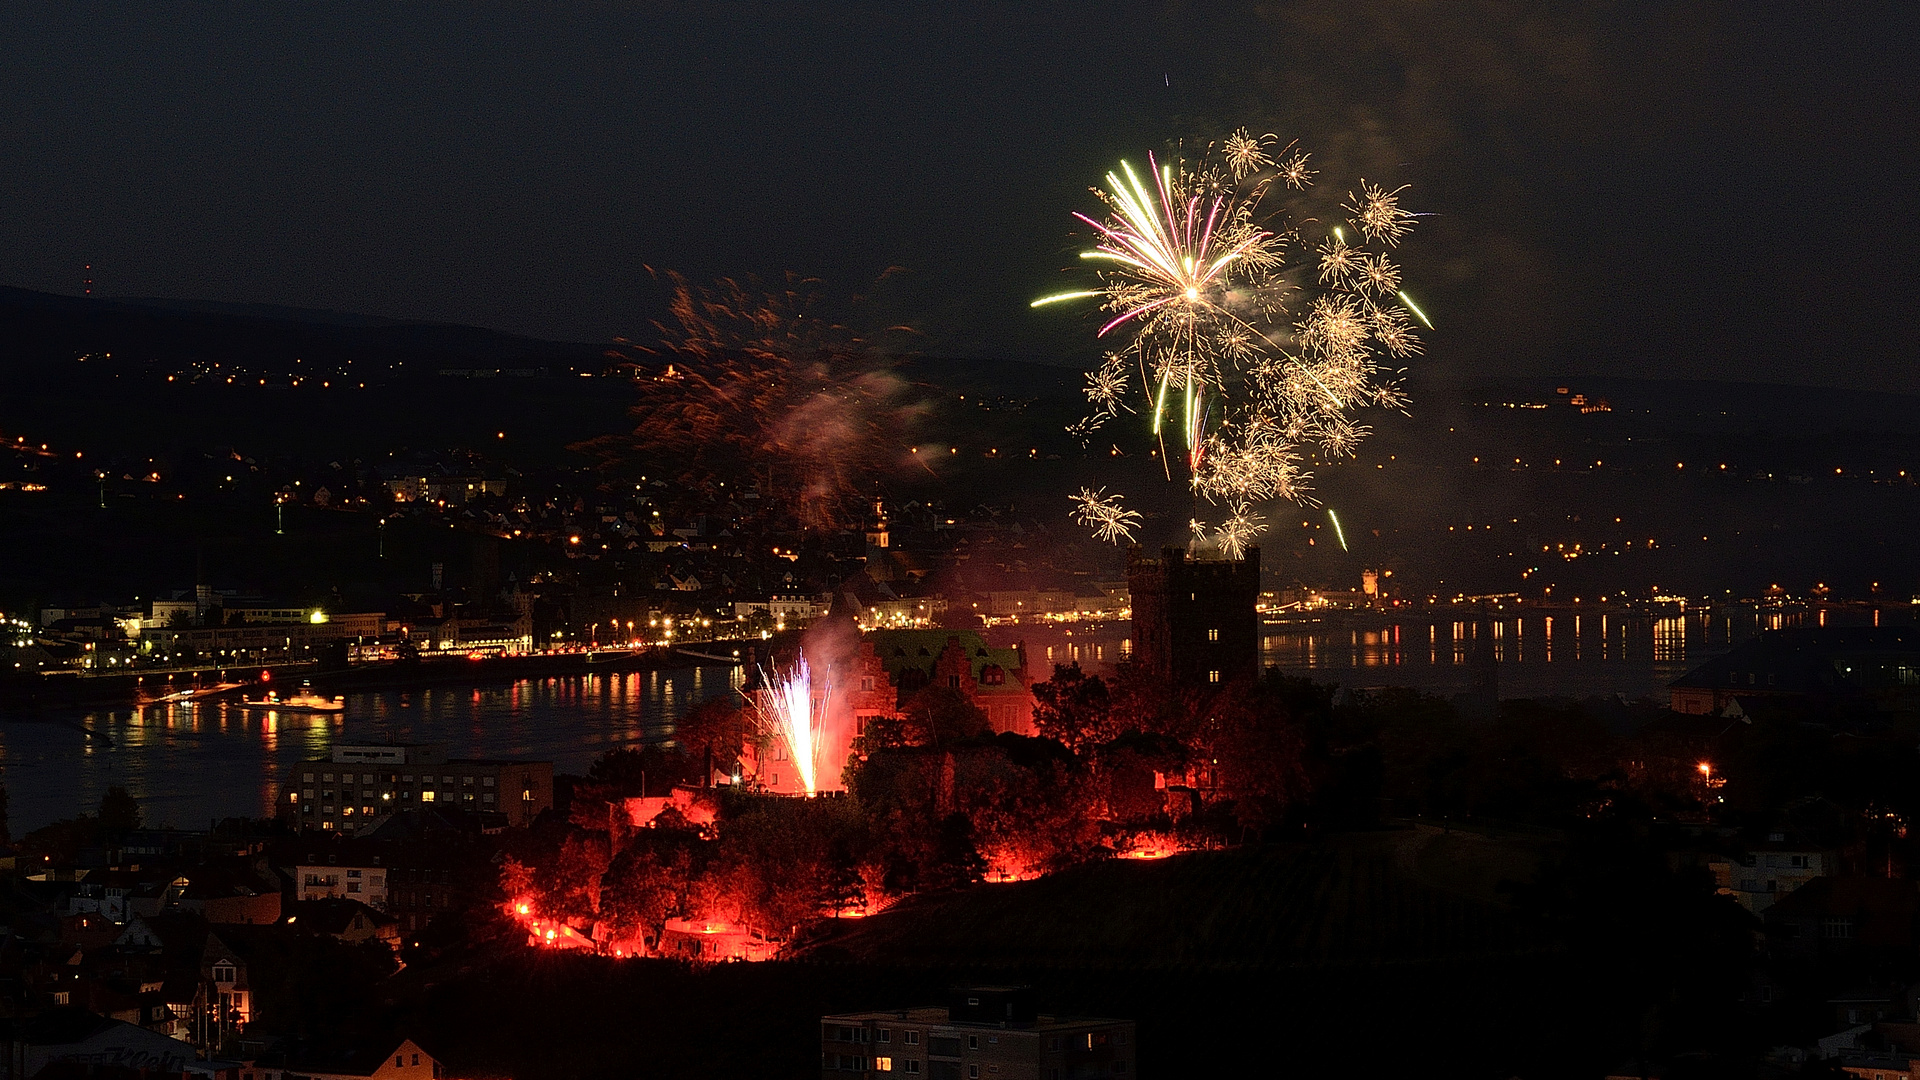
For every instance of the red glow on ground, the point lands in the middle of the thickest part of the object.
(548, 933)
(1148, 846)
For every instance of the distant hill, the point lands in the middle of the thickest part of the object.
(42, 333)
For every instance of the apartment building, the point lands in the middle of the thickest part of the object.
(982, 1033)
(361, 784)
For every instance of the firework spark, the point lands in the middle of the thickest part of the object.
(1337, 530)
(1107, 387)
(754, 379)
(789, 711)
(1103, 513)
(1253, 339)
(1239, 531)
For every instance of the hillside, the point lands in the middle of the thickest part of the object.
(1403, 896)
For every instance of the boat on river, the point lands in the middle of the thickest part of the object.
(197, 692)
(306, 701)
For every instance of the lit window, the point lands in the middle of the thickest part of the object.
(1213, 635)
(883, 1064)
(1213, 676)
(427, 796)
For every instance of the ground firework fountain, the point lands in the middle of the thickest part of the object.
(789, 709)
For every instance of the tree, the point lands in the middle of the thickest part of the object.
(1074, 708)
(1247, 734)
(648, 883)
(719, 725)
(937, 715)
(119, 811)
(957, 861)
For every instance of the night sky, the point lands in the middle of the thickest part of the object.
(1648, 189)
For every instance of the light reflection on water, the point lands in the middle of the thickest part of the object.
(1563, 654)
(190, 763)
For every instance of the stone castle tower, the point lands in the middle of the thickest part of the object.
(1194, 619)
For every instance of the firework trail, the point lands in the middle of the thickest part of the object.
(787, 708)
(1104, 515)
(1338, 532)
(1255, 340)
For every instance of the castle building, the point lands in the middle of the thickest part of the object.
(896, 664)
(1194, 619)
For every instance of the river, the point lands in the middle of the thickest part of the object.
(189, 764)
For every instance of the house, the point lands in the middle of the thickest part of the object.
(1831, 916)
(414, 865)
(1759, 876)
(404, 1062)
(996, 680)
(347, 920)
(118, 894)
(29, 1044)
(224, 969)
(361, 878)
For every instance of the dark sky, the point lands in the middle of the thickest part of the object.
(1642, 188)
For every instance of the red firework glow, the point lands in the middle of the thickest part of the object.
(548, 933)
(1151, 845)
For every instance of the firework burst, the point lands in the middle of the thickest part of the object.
(1239, 531)
(1254, 340)
(1103, 514)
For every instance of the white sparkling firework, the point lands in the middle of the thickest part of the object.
(1254, 340)
(1239, 531)
(1103, 514)
(787, 709)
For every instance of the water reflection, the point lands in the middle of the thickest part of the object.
(1563, 653)
(189, 763)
